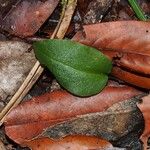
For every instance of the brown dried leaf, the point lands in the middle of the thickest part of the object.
(118, 36)
(126, 43)
(133, 78)
(116, 122)
(27, 16)
(51, 108)
(145, 109)
(71, 143)
(130, 61)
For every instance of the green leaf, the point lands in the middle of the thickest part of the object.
(138, 11)
(80, 69)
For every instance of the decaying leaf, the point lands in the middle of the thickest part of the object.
(145, 109)
(59, 106)
(120, 120)
(126, 43)
(27, 16)
(71, 143)
(16, 62)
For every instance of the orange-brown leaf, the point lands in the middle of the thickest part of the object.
(145, 109)
(137, 80)
(122, 36)
(30, 118)
(70, 143)
(134, 62)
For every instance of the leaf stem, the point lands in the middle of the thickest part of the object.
(138, 11)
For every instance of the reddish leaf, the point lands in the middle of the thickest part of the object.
(71, 143)
(119, 35)
(126, 43)
(30, 118)
(27, 16)
(131, 61)
(145, 109)
(121, 120)
(131, 77)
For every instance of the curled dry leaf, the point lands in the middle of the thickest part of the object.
(16, 62)
(41, 112)
(127, 44)
(27, 16)
(71, 143)
(145, 109)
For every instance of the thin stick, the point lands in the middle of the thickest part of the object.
(67, 18)
(37, 69)
(60, 20)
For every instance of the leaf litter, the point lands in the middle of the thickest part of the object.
(120, 123)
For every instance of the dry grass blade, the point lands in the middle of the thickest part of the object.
(36, 71)
(67, 18)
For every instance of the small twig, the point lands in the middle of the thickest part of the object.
(37, 69)
(60, 20)
(67, 18)
(138, 11)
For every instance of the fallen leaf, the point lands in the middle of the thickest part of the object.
(124, 42)
(133, 78)
(16, 62)
(62, 57)
(71, 143)
(112, 124)
(27, 16)
(41, 112)
(145, 109)
(118, 36)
